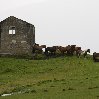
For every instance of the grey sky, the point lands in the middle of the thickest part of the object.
(58, 22)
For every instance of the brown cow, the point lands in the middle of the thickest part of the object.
(43, 46)
(37, 48)
(77, 50)
(62, 49)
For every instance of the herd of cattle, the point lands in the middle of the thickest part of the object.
(68, 50)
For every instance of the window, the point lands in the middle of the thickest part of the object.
(12, 30)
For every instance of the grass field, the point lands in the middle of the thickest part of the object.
(54, 78)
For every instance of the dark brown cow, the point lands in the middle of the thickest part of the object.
(72, 49)
(96, 57)
(36, 44)
(43, 47)
(68, 50)
(52, 50)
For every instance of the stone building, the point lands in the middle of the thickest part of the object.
(16, 36)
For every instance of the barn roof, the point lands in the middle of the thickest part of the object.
(12, 17)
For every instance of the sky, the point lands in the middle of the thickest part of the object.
(58, 22)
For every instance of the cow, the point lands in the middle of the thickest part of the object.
(43, 47)
(96, 57)
(36, 48)
(82, 52)
(68, 48)
(51, 50)
(62, 49)
(77, 50)
(72, 49)
(36, 44)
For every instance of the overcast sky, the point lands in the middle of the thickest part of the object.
(58, 22)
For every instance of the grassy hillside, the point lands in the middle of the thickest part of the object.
(55, 78)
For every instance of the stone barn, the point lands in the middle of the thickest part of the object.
(16, 36)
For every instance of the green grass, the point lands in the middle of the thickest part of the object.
(54, 78)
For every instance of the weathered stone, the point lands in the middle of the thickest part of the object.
(16, 36)
(23, 42)
(14, 41)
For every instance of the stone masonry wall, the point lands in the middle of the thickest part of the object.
(19, 43)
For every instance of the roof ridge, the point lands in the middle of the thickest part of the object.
(16, 18)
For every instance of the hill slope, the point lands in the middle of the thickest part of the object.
(55, 78)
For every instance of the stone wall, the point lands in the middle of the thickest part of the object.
(19, 43)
